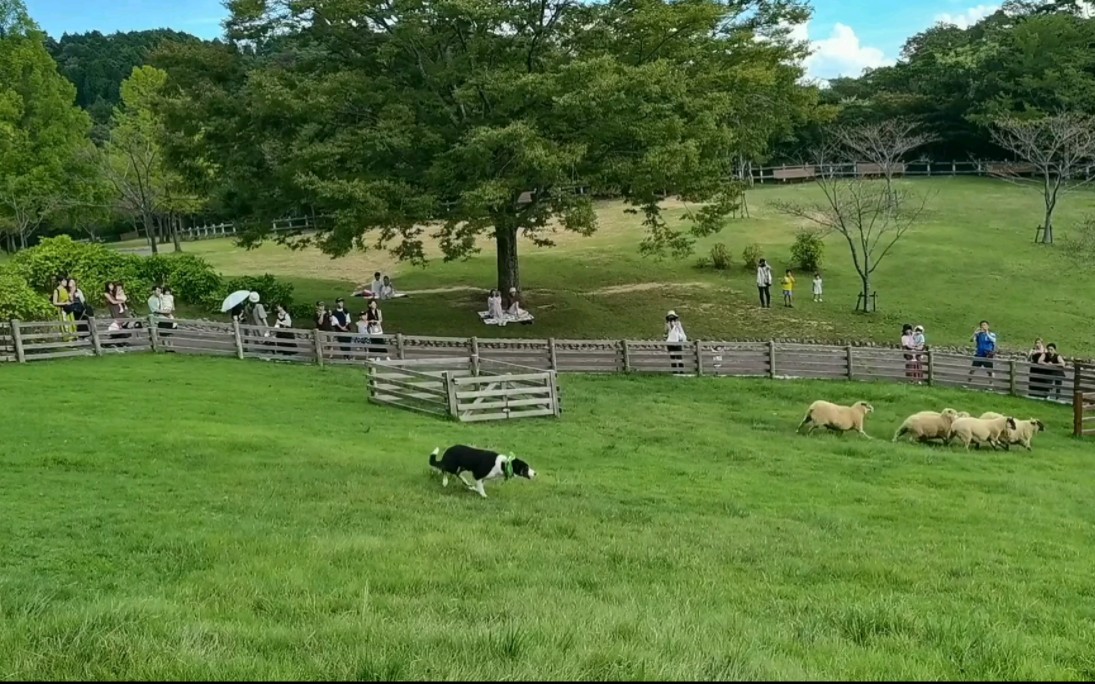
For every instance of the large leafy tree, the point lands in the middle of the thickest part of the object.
(147, 187)
(469, 119)
(42, 133)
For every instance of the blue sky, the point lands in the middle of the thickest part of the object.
(847, 35)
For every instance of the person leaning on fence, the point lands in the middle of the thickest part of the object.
(283, 320)
(908, 343)
(1056, 369)
(985, 340)
(675, 336)
(1040, 382)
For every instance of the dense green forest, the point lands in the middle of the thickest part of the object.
(97, 64)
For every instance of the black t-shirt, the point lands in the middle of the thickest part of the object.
(340, 318)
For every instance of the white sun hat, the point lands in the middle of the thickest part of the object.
(253, 297)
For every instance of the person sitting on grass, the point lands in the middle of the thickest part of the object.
(494, 305)
(514, 308)
(377, 285)
(387, 289)
(788, 288)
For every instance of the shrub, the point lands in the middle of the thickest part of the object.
(19, 300)
(93, 265)
(193, 280)
(750, 256)
(272, 291)
(808, 249)
(720, 256)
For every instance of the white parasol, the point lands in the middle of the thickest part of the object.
(235, 299)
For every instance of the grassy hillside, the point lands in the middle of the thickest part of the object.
(176, 518)
(972, 258)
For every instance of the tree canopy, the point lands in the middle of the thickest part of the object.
(464, 119)
(42, 132)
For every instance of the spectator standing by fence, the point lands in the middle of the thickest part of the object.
(283, 320)
(985, 341)
(62, 301)
(340, 322)
(675, 336)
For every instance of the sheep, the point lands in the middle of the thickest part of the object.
(928, 425)
(1024, 430)
(836, 417)
(992, 431)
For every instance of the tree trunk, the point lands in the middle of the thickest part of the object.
(866, 293)
(175, 221)
(508, 273)
(150, 232)
(1047, 235)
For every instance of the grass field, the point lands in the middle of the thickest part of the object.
(972, 258)
(177, 518)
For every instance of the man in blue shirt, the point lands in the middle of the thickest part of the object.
(986, 348)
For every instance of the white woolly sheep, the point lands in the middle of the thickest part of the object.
(836, 417)
(980, 431)
(928, 425)
(1024, 430)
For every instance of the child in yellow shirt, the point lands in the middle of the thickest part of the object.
(788, 288)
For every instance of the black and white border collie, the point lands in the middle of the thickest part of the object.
(482, 464)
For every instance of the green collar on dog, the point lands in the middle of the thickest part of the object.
(507, 468)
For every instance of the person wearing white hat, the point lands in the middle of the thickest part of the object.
(674, 335)
(258, 311)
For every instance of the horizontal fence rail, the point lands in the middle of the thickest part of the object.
(464, 358)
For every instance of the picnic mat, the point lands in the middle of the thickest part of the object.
(525, 318)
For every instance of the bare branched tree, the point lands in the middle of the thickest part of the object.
(870, 215)
(1058, 151)
(884, 144)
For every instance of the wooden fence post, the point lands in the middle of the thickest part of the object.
(450, 391)
(848, 356)
(552, 358)
(17, 342)
(554, 380)
(317, 342)
(399, 345)
(96, 343)
(627, 357)
(1012, 384)
(771, 358)
(699, 358)
(154, 333)
(931, 367)
(1077, 413)
(1077, 376)
(239, 338)
(474, 356)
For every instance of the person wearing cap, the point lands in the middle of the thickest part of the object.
(674, 335)
(514, 308)
(340, 322)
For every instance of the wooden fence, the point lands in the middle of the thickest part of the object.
(805, 172)
(468, 389)
(1083, 400)
(34, 341)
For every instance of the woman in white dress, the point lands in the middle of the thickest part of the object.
(494, 305)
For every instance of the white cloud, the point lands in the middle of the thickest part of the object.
(971, 16)
(841, 54)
